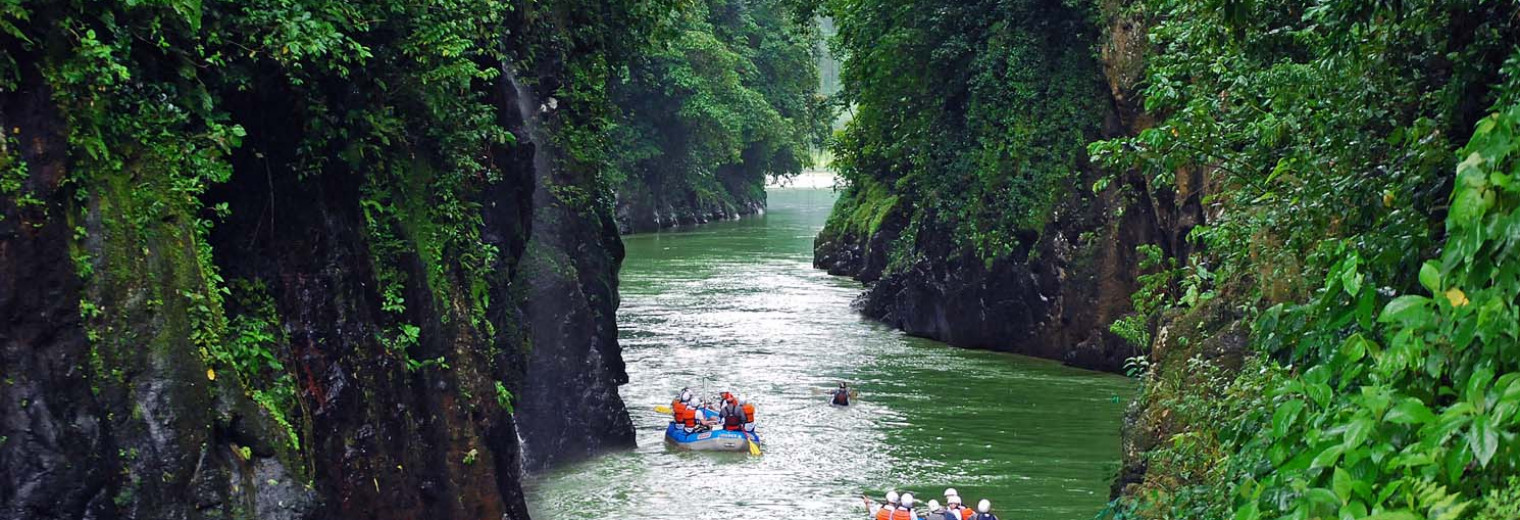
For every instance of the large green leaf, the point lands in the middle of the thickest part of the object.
(1393, 515)
(1406, 309)
(1283, 417)
(1328, 457)
(1342, 482)
(1482, 439)
(1410, 411)
(1430, 276)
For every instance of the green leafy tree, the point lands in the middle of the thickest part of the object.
(972, 114)
(726, 98)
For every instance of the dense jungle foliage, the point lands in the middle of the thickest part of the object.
(970, 115)
(1363, 221)
(1359, 223)
(724, 99)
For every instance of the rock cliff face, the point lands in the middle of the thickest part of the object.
(643, 207)
(569, 407)
(113, 312)
(1053, 300)
(1212, 332)
(1056, 294)
(107, 410)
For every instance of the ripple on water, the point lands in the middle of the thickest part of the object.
(737, 305)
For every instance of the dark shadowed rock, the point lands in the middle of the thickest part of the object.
(110, 409)
(1053, 299)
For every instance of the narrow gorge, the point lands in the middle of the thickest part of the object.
(309, 260)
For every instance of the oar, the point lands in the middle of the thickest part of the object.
(819, 391)
(754, 448)
(662, 409)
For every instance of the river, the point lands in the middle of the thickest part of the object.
(738, 306)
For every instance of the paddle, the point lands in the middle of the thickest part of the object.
(819, 391)
(662, 409)
(754, 448)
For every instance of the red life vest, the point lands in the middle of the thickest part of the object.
(733, 419)
(687, 417)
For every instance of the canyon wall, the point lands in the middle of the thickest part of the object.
(296, 280)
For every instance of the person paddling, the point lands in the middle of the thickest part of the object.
(883, 511)
(938, 513)
(905, 509)
(984, 511)
(678, 405)
(841, 397)
(691, 418)
(955, 510)
(749, 415)
(732, 413)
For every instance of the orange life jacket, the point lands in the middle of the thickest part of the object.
(883, 513)
(675, 409)
(903, 514)
(749, 413)
(687, 417)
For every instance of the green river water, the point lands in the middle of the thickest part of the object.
(738, 306)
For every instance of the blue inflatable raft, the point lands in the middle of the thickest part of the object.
(714, 440)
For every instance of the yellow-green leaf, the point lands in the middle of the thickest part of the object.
(1456, 297)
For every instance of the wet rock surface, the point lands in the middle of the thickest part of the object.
(117, 417)
(645, 205)
(568, 405)
(1053, 300)
(644, 212)
(54, 448)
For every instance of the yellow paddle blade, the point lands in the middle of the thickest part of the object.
(662, 409)
(754, 449)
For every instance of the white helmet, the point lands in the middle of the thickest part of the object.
(891, 497)
(907, 500)
(950, 492)
(984, 506)
(953, 500)
(933, 505)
